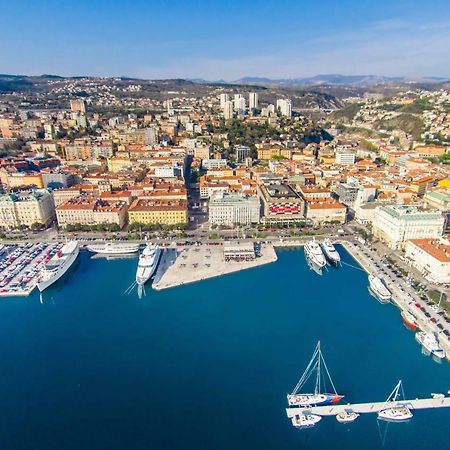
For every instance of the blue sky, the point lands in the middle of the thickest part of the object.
(225, 39)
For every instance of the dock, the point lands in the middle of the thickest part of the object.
(196, 263)
(375, 407)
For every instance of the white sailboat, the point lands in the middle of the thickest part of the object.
(305, 419)
(317, 398)
(394, 410)
(347, 416)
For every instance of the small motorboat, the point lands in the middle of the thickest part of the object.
(305, 419)
(347, 416)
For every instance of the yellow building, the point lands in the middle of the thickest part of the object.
(117, 163)
(26, 209)
(164, 212)
(19, 179)
(270, 153)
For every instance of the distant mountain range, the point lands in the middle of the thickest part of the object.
(340, 80)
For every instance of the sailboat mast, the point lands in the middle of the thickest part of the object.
(319, 357)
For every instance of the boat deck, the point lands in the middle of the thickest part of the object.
(375, 407)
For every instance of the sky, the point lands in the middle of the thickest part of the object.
(225, 39)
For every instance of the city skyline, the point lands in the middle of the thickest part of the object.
(226, 40)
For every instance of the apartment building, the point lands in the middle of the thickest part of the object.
(86, 210)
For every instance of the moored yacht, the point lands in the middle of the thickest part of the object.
(318, 370)
(393, 410)
(430, 344)
(113, 248)
(379, 289)
(148, 262)
(409, 320)
(347, 416)
(58, 265)
(314, 254)
(330, 251)
(305, 419)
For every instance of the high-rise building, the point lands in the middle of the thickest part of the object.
(228, 110)
(237, 101)
(78, 105)
(285, 107)
(253, 100)
(240, 106)
(223, 99)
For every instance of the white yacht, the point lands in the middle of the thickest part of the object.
(305, 419)
(379, 289)
(314, 254)
(330, 251)
(58, 265)
(430, 343)
(395, 414)
(2, 249)
(393, 410)
(347, 416)
(148, 262)
(113, 248)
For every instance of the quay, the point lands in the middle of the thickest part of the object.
(375, 407)
(197, 263)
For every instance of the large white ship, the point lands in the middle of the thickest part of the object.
(148, 262)
(113, 248)
(330, 251)
(430, 343)
(379, 289)
(314, 254)
(58, 265)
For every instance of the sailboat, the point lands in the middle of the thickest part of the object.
(393, 410)
(318, 398)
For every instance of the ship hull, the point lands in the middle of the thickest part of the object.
(42, 285)
(102, 250)
(409, 323)
(146, 275)
(305, 400)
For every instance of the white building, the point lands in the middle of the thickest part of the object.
(285, 107)
(224, 98)
(253, 100)
(397, 224)
(228, 110)
(242, 152)
(230, 209)
(214, 163)
(240, 105)
(431, 258)
(345, 157)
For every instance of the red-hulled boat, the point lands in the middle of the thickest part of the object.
(409, 320)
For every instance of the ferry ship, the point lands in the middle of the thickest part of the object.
(379, 289)
(314, 254)
(113, 248)
(330, 251)
(58, 265)
(409, 320)
(430, 344)
(148, 262)
(317, 398)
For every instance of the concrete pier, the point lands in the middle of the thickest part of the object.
(196, 263)
(375, 407)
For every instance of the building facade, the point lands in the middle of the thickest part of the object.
(233, 209)
(396, 224)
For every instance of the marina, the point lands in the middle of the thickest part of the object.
(249, 349)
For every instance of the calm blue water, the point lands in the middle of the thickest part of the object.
(205, 366)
